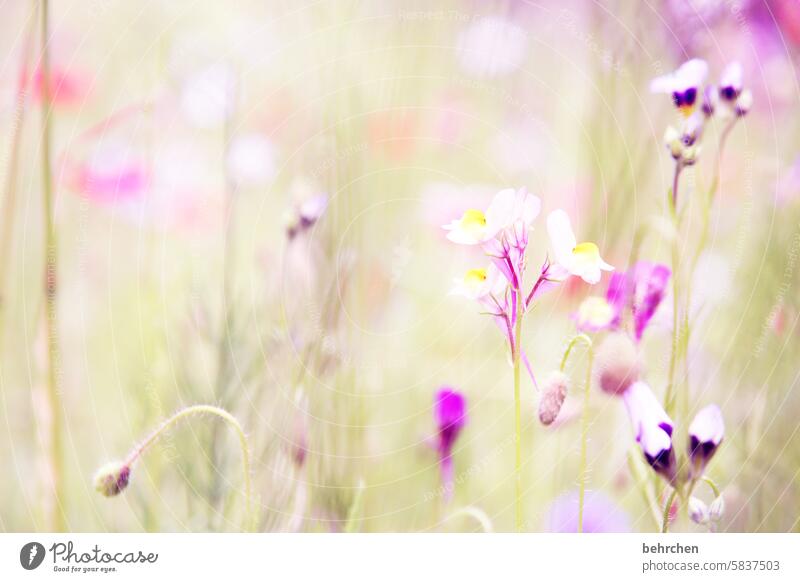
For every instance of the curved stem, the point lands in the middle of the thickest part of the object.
(583, 475)
(708, 481)
(142, 447)
(670, 500)
(518, 418)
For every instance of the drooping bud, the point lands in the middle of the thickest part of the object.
(705, 435)
(617, 364)
(698, 511)
(710, 100)
(717, 509)
(744, 103)
(652, 428)
(553, 395)
(112, 478)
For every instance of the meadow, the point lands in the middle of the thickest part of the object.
(399, 266)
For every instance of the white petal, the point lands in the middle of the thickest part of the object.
(662, 84)
(500, 213)
(692, 73)
(561, 236)
(732, 75)
(531, 207)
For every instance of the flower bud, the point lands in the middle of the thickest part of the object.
(717, 509)
(698, 511)
(553, 395)
(112, 478)
(690, 155)
(672, 139)
(744, 103)
(617, 364)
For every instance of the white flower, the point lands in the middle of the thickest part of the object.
(480, 284)
(730, 84)
(582, 260)
(509, 208)
(683, 84)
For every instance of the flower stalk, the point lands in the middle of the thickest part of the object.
(196, 410)
(583, 473)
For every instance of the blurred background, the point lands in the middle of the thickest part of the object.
(247, 203)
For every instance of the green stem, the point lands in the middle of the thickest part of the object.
(583, 474)
(518, 417)
(667, 507)
(50, 288)
(142, 447)
(673, 359)
(708, 481)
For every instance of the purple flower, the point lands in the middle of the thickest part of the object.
(649, 285)
(600, 515)
(450, 413)
(641, 290)
(705, 435)
(653, 429)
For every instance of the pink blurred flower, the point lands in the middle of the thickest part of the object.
(600, 514)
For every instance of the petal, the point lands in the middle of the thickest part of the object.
(690, 74)
(561, 236)
(531, 207)
(708, 425)
(500, 213)
(732, 76)
(594, 314)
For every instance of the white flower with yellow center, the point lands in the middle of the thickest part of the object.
(509, 207)
(594, 314)
(480, 284)
(685, 84)
(582, 260)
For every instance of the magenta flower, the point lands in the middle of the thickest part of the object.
(649, 286)
(652, 428)
(639, 291)
(450, 413)
(705, 435)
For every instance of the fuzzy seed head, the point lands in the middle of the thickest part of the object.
(553, 395)
(112, 478)
(617, 364)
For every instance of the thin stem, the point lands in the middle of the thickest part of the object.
(583, 474)
(50, 286)
(518, 417)
(673, 360)
(142, 447)
(708, 481)
(10, 196)
(667, 507)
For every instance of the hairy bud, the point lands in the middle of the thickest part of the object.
(617, 364)
(112, 478)
(553, 395)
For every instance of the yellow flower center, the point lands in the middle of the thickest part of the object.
(595, 311)
(475, 277)
(473, 220)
